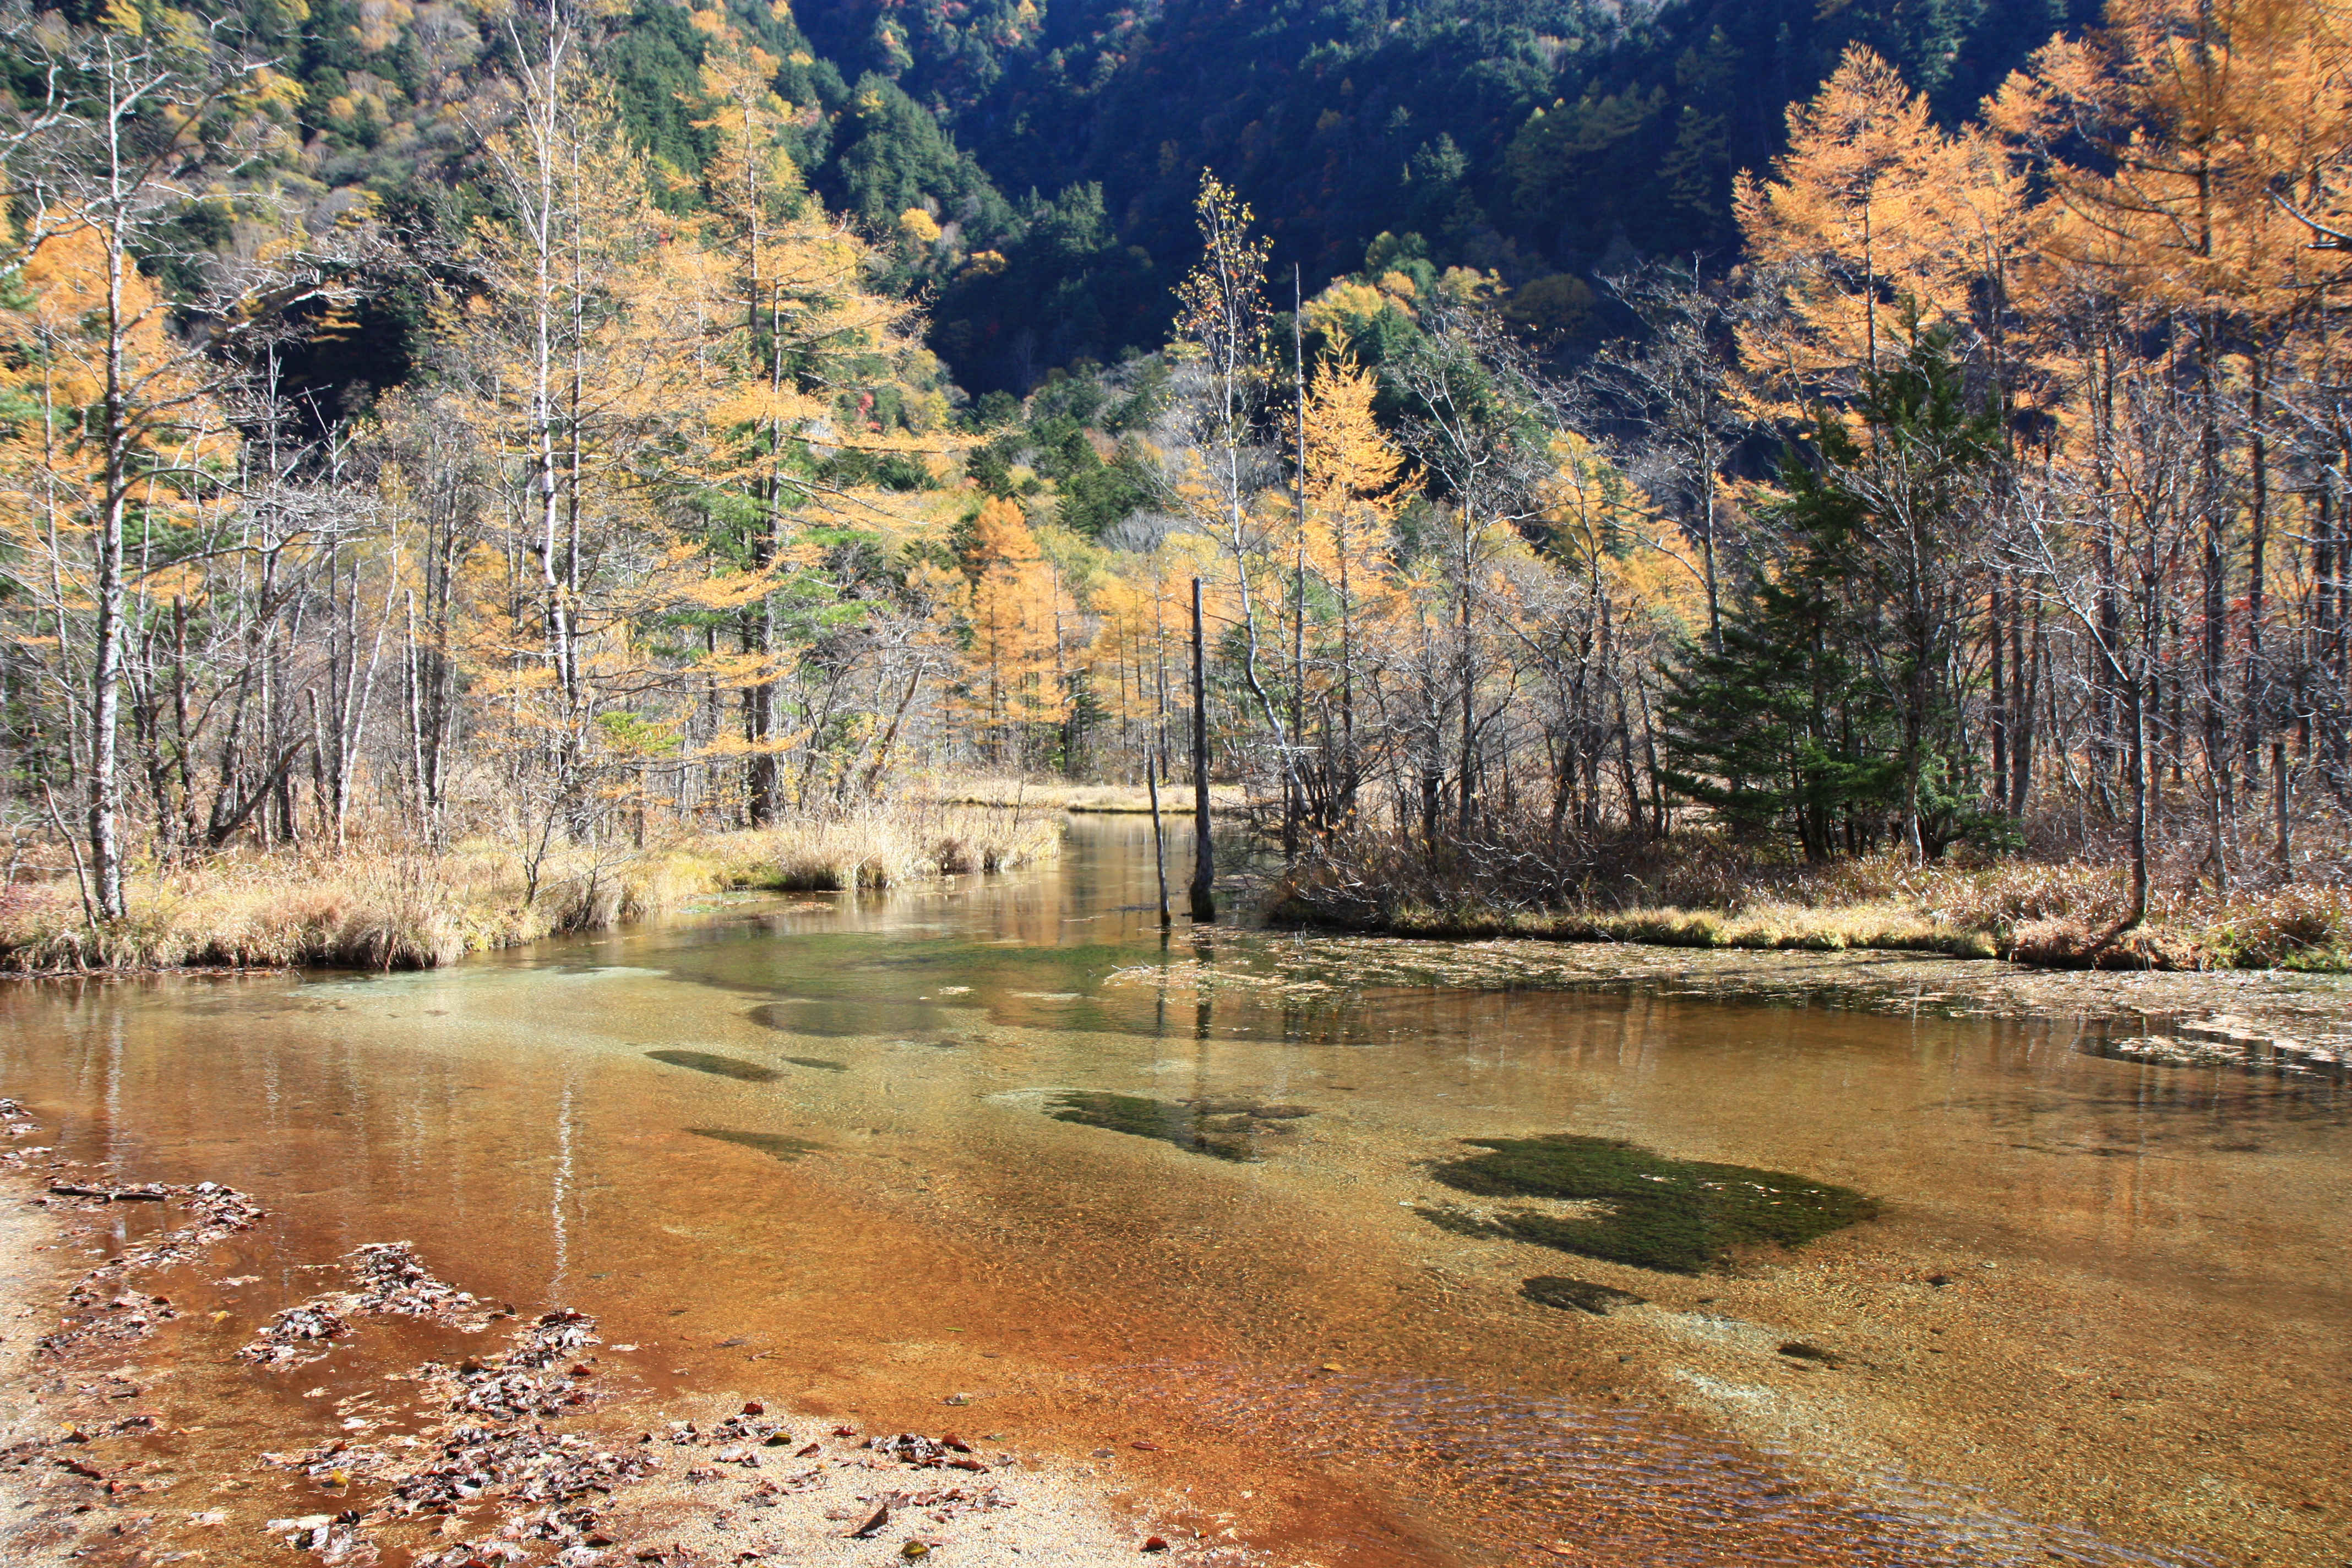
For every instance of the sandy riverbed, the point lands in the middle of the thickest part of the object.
(2160, 1426)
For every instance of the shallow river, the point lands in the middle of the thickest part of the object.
(2102, 1318)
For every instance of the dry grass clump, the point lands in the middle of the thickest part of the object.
(2296, 926)
(888, 846)
(363, 909)
(1702, 890)
(1769, 927)
(377, 907)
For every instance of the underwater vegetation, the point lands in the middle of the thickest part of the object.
(713, 1063)
(1648, 1210)
(1577, 1295)
(778, 1145)
(1221, 1129)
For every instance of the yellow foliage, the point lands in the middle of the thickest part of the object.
(1342, 309)
(1013, 612)
(2194, 112)
(1873, 210)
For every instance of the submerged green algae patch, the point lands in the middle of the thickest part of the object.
(778, 1145)
(1221, 1129)
(1576, 1295)
(717, 1066)
(1677, 1215)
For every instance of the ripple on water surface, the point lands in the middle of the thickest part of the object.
(1627, 1484)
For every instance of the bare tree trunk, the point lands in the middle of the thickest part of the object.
(105, 788)
(1159, 834)
(1204, 858)
(2139, 771)
(1293, 780)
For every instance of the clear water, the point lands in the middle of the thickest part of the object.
(887, 1216)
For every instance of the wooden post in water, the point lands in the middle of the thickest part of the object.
(1158, 831)
(1204, 858)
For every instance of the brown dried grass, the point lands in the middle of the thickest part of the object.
(375, 907)
(1702, 890)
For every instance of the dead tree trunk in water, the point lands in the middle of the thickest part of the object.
(1204, 859)
(1158, 833)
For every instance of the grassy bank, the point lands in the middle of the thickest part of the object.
(381, 908)
(1703, 893)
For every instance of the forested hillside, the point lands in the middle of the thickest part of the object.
(1540, 139)
(1054, 151)
(1716, 456)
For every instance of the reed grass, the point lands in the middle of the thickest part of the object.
(376, 907)
(888, 846)
(1702, 891)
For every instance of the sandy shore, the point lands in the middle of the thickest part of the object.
(516, 1438)
(31, 1280)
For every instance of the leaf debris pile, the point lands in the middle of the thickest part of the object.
(100, 1309)
(390, 1283)
(529, 1380)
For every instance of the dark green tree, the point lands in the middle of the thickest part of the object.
(1833, 709)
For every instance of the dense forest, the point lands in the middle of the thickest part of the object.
(1056, 151)
(1618, 455)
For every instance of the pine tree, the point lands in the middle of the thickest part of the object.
(1831, 708)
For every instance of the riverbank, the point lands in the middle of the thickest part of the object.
(1086, 799)
(1705, 893)
(2268, 1020)
(380, 906)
